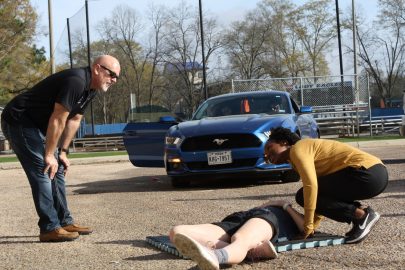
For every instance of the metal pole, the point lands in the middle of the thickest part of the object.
(302, 92)
(354, 37)
(369, 105)
(70, 44)
(340, 49)
(233, 86)
(202, 51)
(51, 56)
(339, 39)
(89, 62)
(355, 63)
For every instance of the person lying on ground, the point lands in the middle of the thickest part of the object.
(246, 234)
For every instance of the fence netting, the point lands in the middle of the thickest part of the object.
(314, 91)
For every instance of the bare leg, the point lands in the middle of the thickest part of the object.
(251, 235)
(209, 235)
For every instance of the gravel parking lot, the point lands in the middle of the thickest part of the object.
(125, 204)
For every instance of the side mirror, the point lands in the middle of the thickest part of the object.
(180, 117)
(167, 119)
(306, 109)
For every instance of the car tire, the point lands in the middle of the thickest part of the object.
(290, 176)
(180, 182)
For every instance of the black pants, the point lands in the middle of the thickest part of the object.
(338, 192)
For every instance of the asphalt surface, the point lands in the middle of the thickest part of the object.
(125, 204)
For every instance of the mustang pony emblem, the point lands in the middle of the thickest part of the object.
(220, 141)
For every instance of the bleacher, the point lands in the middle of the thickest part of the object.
(93, 144)
(349, 120)
(339, 120)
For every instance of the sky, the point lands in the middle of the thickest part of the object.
(225, 11)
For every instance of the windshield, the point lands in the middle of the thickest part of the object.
(236, 105)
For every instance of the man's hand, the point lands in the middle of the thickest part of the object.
(51, 166)
(65, 162)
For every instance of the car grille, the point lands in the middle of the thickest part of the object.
(213, 142)
(247, 162)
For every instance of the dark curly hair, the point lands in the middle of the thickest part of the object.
(284, 134)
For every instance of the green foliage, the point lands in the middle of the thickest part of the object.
(21, 65)
(38, 55)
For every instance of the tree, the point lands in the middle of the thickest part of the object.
(246, 46)
(21, 64)
(17, 26)
(289, 58)
(382, 47)
(157, 16)
(182, 55)
(280, 39)
(314, 25)
(124, 29)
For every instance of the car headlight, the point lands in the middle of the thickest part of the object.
(172, 140)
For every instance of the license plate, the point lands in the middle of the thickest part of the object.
(222, 157)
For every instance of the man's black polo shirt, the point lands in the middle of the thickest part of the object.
(70, 87)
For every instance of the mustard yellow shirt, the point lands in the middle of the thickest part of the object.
(313, 158)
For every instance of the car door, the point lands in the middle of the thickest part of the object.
(144, 142)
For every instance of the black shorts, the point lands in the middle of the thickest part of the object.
(234, 221)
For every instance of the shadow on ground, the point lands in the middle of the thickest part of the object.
(16, 239)
(161, 183)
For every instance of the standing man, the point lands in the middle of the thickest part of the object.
(40, 125)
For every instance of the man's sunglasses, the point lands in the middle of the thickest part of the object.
(112, 74)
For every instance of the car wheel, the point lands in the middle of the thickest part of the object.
(180, 182)
(290, 176)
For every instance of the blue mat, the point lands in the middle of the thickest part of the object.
(319, 240)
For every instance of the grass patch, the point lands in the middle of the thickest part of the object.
(8, 159)
(75, 155)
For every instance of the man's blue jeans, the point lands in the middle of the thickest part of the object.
(28, 143)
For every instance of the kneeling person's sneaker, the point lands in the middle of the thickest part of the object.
(58, 235)
(203, 256)
(77, 228)
(362, 227)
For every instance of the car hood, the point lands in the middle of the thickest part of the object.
(230, 124)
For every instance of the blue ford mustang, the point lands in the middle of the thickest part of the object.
(224, 138)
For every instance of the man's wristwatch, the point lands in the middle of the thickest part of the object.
(60, 150)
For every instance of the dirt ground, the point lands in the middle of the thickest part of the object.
(125, 204)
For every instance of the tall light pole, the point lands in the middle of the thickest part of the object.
(339, 39)
(354, 40)
(51, 56)
(202, 51)
(356, 77)
(340, 52)
(89, 62)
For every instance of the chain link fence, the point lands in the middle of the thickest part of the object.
(314, 91)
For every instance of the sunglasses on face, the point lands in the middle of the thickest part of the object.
(112, 74)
